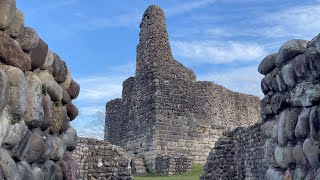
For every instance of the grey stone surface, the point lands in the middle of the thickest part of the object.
(15, 134)
(24, 171)
(47, 117)
(58, 149)
(280, 157)
(299, 155)
(273, 174)
(36, 148)
(8, 166)
(267, 64)
(54, 89)
(66, 83)
(8, 10)
(12, 54)
(20, 151)
(305, 94)
(37, 173)
(59, 119)
(48, 61)
(69, 138)
(299, 173)
(311, 151)
(18, 91)
(289, 75)
(290, 49)
(39, 54)
(28, 39)
(302, 128)
(74, 89)
(16, 26)
(34, 111)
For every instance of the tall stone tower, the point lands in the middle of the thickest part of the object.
(164, 110)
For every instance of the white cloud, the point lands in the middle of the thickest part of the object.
(298, 22)
(185, 7)
(218, 52)
(245, 79)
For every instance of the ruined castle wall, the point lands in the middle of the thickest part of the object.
(101, 160)
(36, 93)
(164, 110)
(238, 154)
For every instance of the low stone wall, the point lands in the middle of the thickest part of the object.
(36, 92)
(238, 154)
(169, 165)
(101, 160)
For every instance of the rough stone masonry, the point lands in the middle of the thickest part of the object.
(290, 125)
(164, 110)
(36, 93)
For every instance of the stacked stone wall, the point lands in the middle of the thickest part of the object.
(101, 160)
(36, 93)
(238, 154)
(170, 165)
(164, 110)
(291, 108)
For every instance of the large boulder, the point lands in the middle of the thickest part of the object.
(18, 91)
(8, 10)
(48, 62)
(290, 49)
(15, 134)
(60, 70)
(311, 151)
(73, 89)
(36, 148)
(16, 26)
(39, 54)
(24, 170)
(34, 111)
(47, 118)
(72, 111)
(69, 138)
(59, 118)
(28, 39)
(12, 54)
(267, 64)
(8, 166)
(305, 94)
(51, 171)
(51, 86)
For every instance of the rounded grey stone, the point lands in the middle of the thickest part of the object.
(36, 148)
(273, 174)
(302, 127)
(299, 156)
(288, 75)
(69, 138)
(16, 26)
(267, 64)
(37, 174)
(8, 10)
(280, 157)
(24, 170)
(290, 49)
(34, 111)
(8, 166)
(311, 151)
(28, 39)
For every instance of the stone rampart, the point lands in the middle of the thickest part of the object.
(36, 93)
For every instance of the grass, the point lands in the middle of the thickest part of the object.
(196, 171)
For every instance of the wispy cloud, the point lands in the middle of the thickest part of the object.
(187, 6)
(299, 22)
(216, 52)
(245, 79)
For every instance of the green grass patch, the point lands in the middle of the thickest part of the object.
(196, 171)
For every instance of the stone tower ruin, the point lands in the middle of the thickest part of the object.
(164, 110)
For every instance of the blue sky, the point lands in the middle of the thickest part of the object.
(221, 40)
